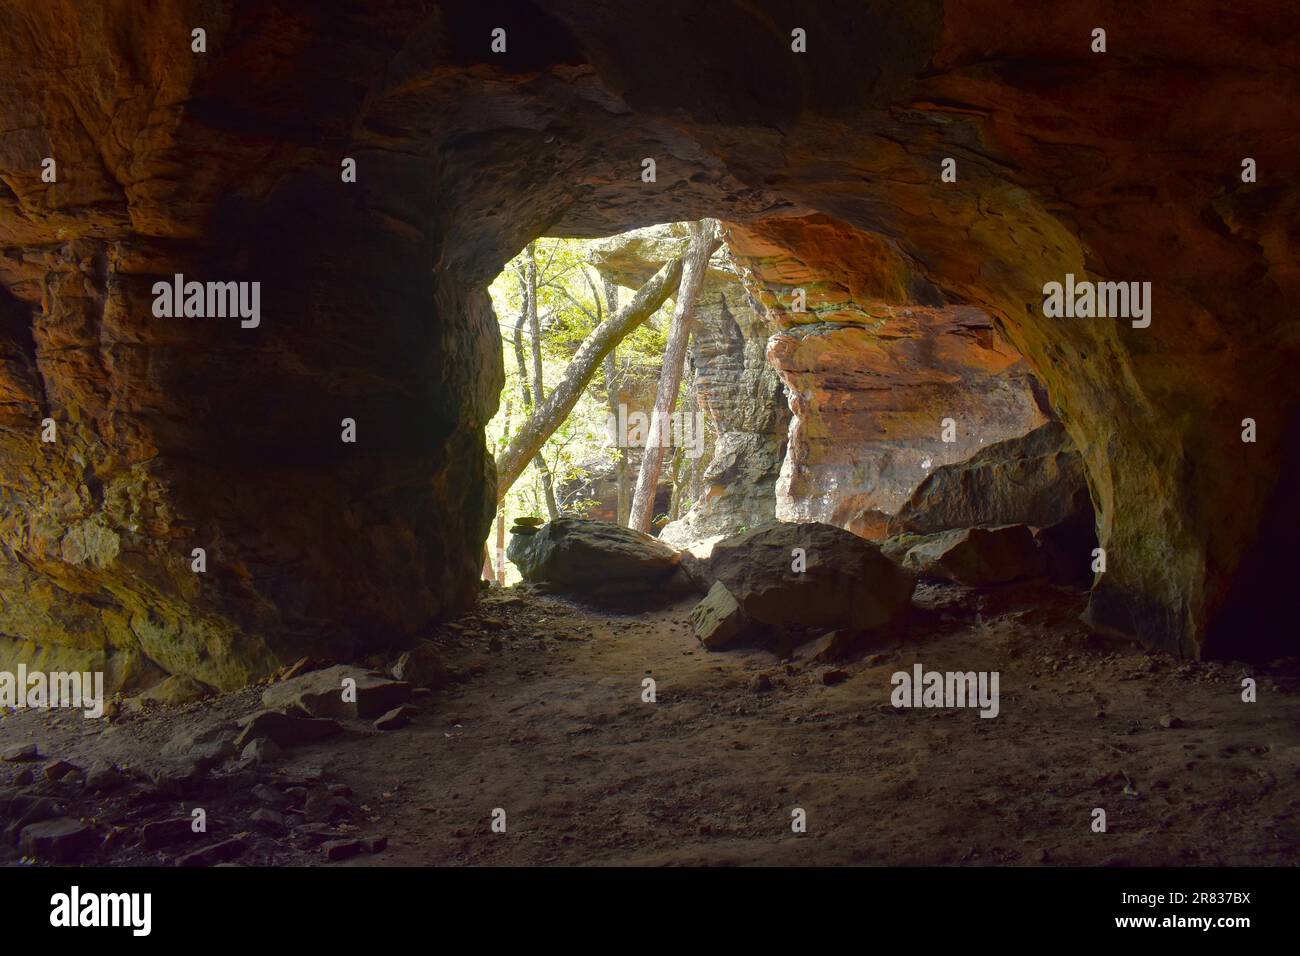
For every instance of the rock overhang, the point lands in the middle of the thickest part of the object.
(1068, 163)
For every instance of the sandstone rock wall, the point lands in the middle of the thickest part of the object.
(739, 392)
(1121, 166)
(181, 433)
(872, 375)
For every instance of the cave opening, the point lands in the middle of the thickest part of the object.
(799, 401)
(890, 454)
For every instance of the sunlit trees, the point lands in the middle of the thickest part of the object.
(706, 235)
(575, 349)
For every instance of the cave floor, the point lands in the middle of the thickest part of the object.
(545, 719)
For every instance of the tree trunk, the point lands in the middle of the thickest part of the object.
(528, 290)
(614, 394)
(705, 238)
(552, 412)
(535, 332)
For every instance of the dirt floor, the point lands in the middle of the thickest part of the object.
(545, 719)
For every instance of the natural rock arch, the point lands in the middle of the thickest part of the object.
(225, 165)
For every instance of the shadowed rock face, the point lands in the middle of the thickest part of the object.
(183, 433)
(739, 392)
(1036, 480)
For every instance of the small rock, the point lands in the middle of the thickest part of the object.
(832, 676)
(285, 730)
(261, 750)
(24, 808)
(61, 840)
(320, 694)
(221, 852)
(835, 645)
(396, 718)
(301, 666)
(21, 752)
(103, 777)
(161, 833)
(114, 839)
(421, 667)
(24, 777)
(306, 774)
(174, 777)
(272, 797)
(375, 844)
(312, 835)
(264, 818)
(341, 849)
(203, 747)
(58, 769)
(175, 690)
(761, 684)
(1170, 722)
(323, 807)
(719, 620)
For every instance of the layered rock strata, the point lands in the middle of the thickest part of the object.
(225, 165)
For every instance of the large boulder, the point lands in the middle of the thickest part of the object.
(844, 581)
(603, 563)
(977, 557)
(1037, 479)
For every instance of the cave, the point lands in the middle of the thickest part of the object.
(179, 514)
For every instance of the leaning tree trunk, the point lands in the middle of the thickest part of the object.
(705, 238)
(552, 412)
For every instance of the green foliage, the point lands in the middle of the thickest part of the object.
(570, 297)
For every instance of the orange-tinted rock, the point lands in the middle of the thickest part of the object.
(873, 377)
(225, 165)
